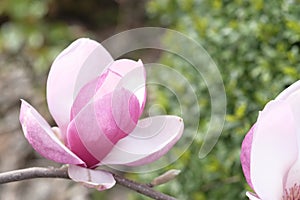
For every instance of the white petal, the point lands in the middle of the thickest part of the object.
(274, 149)
(294, 173)
(151, 139)
(288, 91)
(78, 64)
(98, 179)
(133, 77)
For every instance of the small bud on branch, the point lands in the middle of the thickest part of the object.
(165, 177)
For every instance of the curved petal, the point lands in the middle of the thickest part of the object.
(252, 196)
(122, 73)
(294, 174)
(78, 64)
(294, 101)
(41, 137)
(97, 128)
(274, 149)
(151, 139)
(95, 90)
(87, 92)
(288, 91)
(98, 179)
(133, 77)
(246, 155)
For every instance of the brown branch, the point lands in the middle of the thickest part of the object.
(39, 172)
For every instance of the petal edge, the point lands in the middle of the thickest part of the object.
(151, 139)
(97, 179)
(42, 138)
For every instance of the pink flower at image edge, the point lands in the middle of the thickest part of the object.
(96, 103)
(270, 151)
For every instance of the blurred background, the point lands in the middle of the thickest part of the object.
(254, 43)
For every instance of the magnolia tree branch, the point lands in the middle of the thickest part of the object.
(39, 172)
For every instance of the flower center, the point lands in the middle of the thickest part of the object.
(292, 193)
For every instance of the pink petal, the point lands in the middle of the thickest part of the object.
(101, 124)
(95, 90)
(274, 149)
(293, 176)
(41, 137)
(293, 100)
(73, 68)
(151, 139)
(98, 179)
(88, 91)
(123, 73)
(294, 173)
(246, 154)
(133, 77)
(288, 91)
(133, 80)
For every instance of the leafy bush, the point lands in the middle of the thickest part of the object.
(256, 47)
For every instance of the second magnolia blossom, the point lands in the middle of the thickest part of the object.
(270, 154)
(96, 103)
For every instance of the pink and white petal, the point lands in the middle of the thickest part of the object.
(133, 78)
(246, 155)
(294, 101)
(288, 91)
(86, 94)
(274, 149)
(118, 70)
(293, 176)
(98, 130)
(86, 138)
(150, 140)
(42, 138)
(97, 179)
(252, 196)
(95, 90)
(73, 68)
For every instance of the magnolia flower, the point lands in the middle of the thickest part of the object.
(96, 103)
(270, 154)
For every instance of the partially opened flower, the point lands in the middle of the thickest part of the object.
(96, 103)
(270, 154)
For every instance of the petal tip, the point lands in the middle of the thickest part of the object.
(140, 62)
(25, 108)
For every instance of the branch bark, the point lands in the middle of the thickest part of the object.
(40, 172)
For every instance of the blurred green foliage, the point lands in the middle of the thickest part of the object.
(26, 33)
(255, 45)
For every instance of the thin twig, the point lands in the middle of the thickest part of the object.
(39, 172)
(141, 188)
